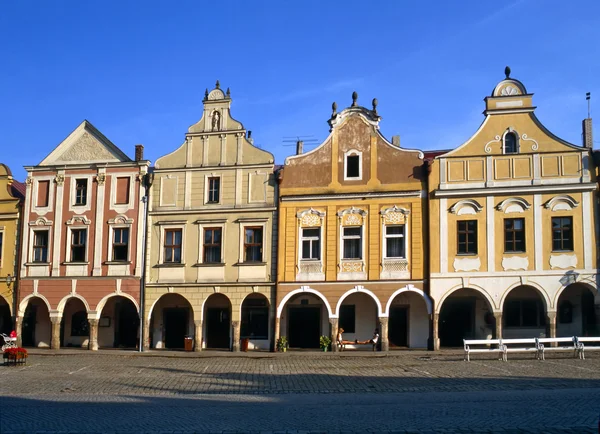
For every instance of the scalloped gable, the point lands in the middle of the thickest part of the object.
(83, 146)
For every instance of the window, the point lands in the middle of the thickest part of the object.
(43, 193)
(212, 245)
(255, 319)
(80, 191)
(79, 324)
(78, 245)
(311, 243)
(525, 313)
(510, 143)
(253, 244)
(352, 243)
(348, 318)
(394, 242)
(352, 166)
(120, 244)
(40, 246)
(467, 237)
(1, 243)
(122, 193)
(562, 234)
(214, 187)
(172, 246)
(514, 235)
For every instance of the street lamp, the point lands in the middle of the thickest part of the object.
(9, 281)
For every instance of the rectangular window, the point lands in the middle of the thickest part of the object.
(214, 187)
(172, 246)
(253, 244)
(212, 245)
(122, 196)
(80, 191)
(120, 244)
(395, 246)
(562, 234)
(514, 235)
(311, 243)
(78, 241)
(353, 166)
(467, 237)
(524, 313)
(348, 318)
(43, 193)
(40, 246)
(352, 243)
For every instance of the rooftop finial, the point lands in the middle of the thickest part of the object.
(354, 98)
(333, 109)
(228, 93)
(218, 85)
(507, 71)
(375, 105)
(206, 94)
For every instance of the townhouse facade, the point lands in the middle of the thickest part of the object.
(351, 246)
(12, 195)
(211, 225)
(81, 262)
(514, 229)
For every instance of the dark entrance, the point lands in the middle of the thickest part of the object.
(126, 325)
(456, 321)
(5, 317)
(304, 327)
(175, 324)
(217, 327)
(28, 331)
(398, 328)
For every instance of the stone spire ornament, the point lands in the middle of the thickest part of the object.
(206, 94)
(228, 93)
(218, 85)
(375, 102)
(507, 72)
(354, 99)
(333, 109)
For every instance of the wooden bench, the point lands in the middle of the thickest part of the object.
(569, 344)
(492, 346)
(526, 345)
(342, 345)
(581, 345)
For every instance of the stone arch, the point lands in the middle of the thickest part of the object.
(170, 318)
(301, 290)
(538, 288)
(411, 288)
(25, 302)
(360, 288)
(104, 300)
(217, 322)
(161, 296)
(588, 285)
(251, 294)
(438, 306)
(61, 305)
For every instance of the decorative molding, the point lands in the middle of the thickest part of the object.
(120, 220)
(465, 207)
(561, 203)
(310, 217)
(78, 220)
(487, 147)
(394, 215)
(59, 179)
(513, 204)
(467, 264)
(535, 145)
(101, 178)
(563, 261)
(515, 263)
(352, 216)
(42, 221)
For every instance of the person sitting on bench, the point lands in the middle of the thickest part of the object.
(340, 340)
(373, 340)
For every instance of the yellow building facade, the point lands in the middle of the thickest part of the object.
(513, 229)
(351, 250)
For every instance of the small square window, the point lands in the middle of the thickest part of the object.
(80, 191)
(353, 166)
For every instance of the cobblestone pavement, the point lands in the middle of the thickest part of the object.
(404, 392)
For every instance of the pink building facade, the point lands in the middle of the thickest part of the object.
(82, 252)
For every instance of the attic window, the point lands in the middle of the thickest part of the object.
(353, 166)
(510, 143)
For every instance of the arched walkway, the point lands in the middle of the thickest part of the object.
(408, 326)
(255, 324)
(74, 327)
(217, 322)
(576, 312)
(358, 314)
(524, 313)
(465, 314)
(171, 320)
(118, 325)
(6, 323)
(304, 317)
(36, 328)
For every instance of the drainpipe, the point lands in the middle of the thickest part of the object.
(143, 277)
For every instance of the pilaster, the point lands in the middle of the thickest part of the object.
(385, 343)
(55, 342)
(198, 335)
(334, 332)
(498, 316)
(58, 220)
(99, 221)
(93, 345)
(235, 345)
(436, 335)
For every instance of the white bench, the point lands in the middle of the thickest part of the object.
(569, 344)
(581, 341)
(492, 346)
(526, 345)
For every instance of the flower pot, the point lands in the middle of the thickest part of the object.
(325, 349)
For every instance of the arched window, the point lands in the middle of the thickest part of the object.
(510, 143)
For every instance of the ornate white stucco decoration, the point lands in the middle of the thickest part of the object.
(535, 146)
(120, 220)
(563, 261)
(394, 215)
(513, 204)
(467, 264)
(79, 220)
(310, 217)
(466, 207)
(515, 263)
(352, 216)
(487, 148)
(41, 222)
(561, 203)
(509, 90)
(216, 94)
(86, 148)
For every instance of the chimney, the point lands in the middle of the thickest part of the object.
(299, 147)
(250, 139)
(139, 152)
(588, 139)
(396, 141)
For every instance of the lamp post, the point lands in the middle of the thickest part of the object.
(9, 282)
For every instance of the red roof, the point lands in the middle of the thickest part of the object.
(17, 189)
(430, 155)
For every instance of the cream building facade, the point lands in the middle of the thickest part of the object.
(514, 214)
(210, 260)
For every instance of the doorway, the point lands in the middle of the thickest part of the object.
(456, 321)
(175, 324)
(304, 327)
(126, 325)
(217, 327)
(398, 327)
(28, 331)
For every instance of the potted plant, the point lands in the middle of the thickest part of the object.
(15, 355)
(282, 344)
(324, 342)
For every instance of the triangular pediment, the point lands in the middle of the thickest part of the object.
(83, 146)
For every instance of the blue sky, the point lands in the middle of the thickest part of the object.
(138, 70)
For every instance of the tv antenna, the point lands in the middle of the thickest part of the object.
(588, 97)
(300, 141)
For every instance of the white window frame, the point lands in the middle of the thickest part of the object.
(353, 152)
(120, 222)
(202, 225)
(353, 237)
(121, 208)
(42, 210)
(386, 236)
(163, 227)
(41, 224)
(80, 209)
(311, 239)
(206, 186)
(517, 142)
(68, 251)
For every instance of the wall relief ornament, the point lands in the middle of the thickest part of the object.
(394, 215)
(487, 148)
(29, 181)
(87, 148)
(101, 178)
(59, 179)
(352, 216)
(310, 217)
(535, 146)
